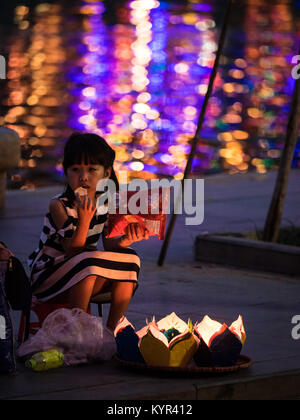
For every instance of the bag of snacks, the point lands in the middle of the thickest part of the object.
(147, 208)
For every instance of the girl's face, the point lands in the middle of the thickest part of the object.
(86, 176)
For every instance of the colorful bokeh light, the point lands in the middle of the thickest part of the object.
(141, 82)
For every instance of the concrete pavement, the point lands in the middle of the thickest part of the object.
(266, 301)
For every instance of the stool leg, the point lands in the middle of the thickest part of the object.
(21, 328)
(100, 311)
(27, 325)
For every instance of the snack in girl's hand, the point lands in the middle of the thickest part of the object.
(150, 213)
(81, 191)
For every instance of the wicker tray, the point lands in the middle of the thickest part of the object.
(244, 362)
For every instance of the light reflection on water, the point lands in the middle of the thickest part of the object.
(140, 83)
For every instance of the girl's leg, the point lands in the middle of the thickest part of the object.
(102, 285)
(80, 294)
(121, 297)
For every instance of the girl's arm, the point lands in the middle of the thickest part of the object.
(86, 211)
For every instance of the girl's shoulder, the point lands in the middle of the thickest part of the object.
(63, 199)
(62, 204)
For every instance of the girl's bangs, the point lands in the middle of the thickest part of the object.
(88, 148)
(88, 159)
(86, 156)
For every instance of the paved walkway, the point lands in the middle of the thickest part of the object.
(191, 289)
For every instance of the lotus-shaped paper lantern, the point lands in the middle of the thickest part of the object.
(219, 345)
(127, 342)
(169, 343)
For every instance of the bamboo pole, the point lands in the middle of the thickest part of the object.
(273, 221)
(198, 130)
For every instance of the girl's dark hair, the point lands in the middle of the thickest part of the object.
(93, 150)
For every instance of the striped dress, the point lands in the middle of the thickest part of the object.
(53, 272)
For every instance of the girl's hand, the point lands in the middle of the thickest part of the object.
(133, 233)
(85, 209)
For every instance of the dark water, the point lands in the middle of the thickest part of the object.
(136, 72)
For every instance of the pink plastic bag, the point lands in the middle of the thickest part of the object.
(81, 337)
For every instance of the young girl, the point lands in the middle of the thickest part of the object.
(67, 268)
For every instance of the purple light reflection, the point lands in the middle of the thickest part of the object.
(202, 7)
(141, 84)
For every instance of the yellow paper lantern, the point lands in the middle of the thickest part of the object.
(158, 350)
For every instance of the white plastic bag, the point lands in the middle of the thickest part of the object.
(81, 337)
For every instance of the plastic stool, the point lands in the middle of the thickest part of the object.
(100, 300)
(42, 310)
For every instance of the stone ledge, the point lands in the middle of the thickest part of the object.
(246, 253)
(10, 152)
(9, 149)
(281, 386)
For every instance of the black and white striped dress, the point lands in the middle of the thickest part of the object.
(53, 272)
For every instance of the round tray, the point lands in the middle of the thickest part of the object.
(244, 362)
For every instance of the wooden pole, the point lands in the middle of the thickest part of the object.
(273, 221)
(199, 128)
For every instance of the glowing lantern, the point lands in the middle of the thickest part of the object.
(127, 342)
(168, 343)
(219, 345)
(173, 343)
